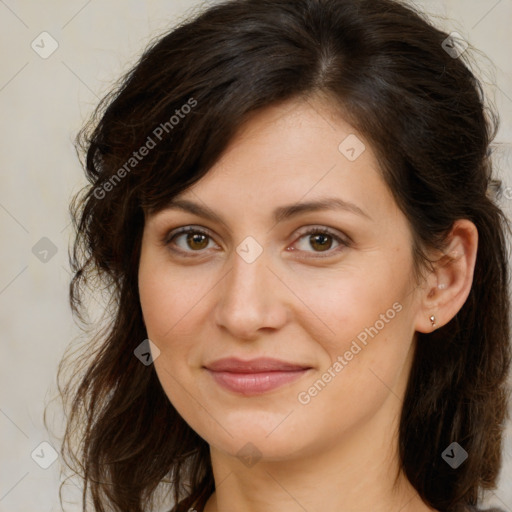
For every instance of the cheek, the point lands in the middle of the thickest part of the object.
(170, 297)
(167, 301)
(366, 350)
(342, 306)
(173, 306)
(362, 322)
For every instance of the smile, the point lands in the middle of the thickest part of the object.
(256, 376)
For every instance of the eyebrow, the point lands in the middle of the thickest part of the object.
(279, 214)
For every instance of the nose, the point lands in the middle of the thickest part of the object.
(252, 299)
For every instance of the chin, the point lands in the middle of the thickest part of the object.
(254, 446)
(256, 434)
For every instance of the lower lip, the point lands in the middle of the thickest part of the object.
(255, 383)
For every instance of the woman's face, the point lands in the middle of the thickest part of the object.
(334, 310)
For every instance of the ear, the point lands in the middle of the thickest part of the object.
(447, 287)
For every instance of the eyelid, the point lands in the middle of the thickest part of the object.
(319, 228)
(191, 228)
(342, 239)
(169, 235)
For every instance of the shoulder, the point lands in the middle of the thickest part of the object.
(475, 509)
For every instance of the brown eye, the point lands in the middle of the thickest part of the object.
(189, 240)
(197, 241)
(321, 240)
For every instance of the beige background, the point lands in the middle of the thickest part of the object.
(43, 103)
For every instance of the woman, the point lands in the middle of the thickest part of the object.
(290, 207)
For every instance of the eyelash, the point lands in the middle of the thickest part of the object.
(343, 243)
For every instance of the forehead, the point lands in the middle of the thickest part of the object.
(290, 152)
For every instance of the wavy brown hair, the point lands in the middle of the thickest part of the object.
(382, 66)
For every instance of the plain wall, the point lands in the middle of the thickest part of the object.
(44, 102)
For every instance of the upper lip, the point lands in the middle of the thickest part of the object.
(259, 365)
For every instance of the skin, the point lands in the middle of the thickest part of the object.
(303, 305)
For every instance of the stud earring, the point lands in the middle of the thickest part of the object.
(433, 320)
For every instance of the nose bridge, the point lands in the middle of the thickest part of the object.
(248, 299)
(245, 282)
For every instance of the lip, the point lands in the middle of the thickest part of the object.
(258, 365)
(255, 376)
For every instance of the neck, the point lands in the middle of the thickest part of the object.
(360, 472)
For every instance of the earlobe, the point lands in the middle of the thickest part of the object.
(449, 284)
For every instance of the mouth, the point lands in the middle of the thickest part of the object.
(256, 376)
